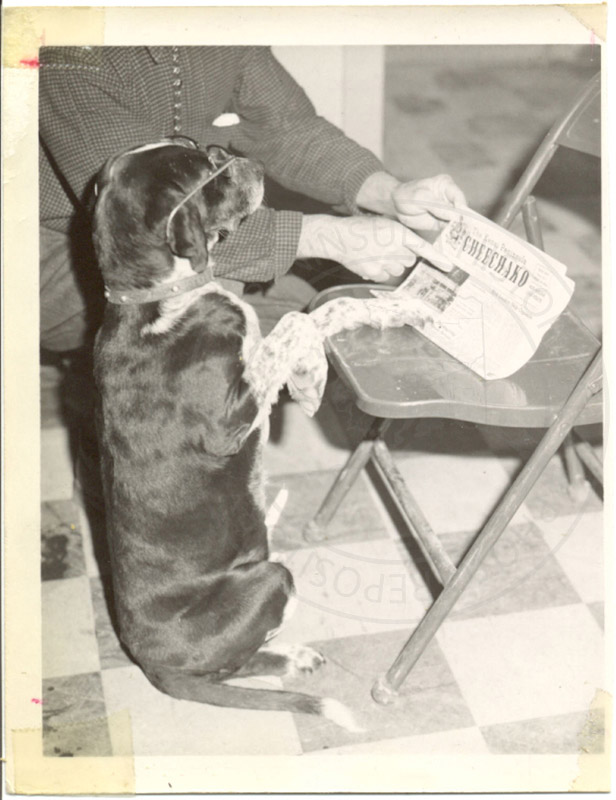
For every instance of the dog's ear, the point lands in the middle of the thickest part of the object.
(187, 238)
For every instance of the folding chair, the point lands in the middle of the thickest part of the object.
(402, 379)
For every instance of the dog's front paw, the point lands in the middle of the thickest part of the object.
(303, 659)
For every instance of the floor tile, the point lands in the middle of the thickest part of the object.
(519, 574)
(69, 641)
(163, 726)
(95, 549)
(430, 700)
(50, 390)
(349, 589)
(564, 733)
(576, 541)
(110, 650)
(356, 519)
(74, 717)
(598, 612)
(549, 497)
(61, 543)
(532, 664)
(298, 443)
(446, 486)
(56, 464)
(464, 741)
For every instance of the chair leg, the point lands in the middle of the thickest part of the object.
(387, 686)
(414, 517)
(589, 457)
(578, 485)
(315, 529)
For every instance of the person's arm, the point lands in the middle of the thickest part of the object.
(87, 113)
(422, 204)
(91, 109)
(300, 150)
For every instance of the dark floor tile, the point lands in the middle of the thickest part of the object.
(558, 735)
(357, 518)
(598, 611)
(519, 574)
(430, 700)
(74, 717)
(61, 543)
(110, 650)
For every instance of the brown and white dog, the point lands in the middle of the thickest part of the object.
(180, 431)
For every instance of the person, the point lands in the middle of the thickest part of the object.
(96, 101)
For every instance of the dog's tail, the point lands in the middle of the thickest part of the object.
(222, 694)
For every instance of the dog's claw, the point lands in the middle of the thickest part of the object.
(305, 659)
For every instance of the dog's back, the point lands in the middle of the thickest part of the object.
(196, 596)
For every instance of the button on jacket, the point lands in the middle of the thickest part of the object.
(95, 102)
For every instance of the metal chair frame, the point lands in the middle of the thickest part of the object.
(578, 453)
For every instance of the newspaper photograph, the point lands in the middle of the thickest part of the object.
(494, 307)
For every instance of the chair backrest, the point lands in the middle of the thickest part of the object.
(578, 129)
(582, 130)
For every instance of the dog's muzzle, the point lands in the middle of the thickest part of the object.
(210, 177)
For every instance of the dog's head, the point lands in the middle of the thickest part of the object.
(168, 199)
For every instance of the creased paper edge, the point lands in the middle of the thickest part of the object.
(592, 16)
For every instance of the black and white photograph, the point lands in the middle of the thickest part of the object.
(314, 378)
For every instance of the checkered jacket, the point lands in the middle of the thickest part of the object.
(97, 101)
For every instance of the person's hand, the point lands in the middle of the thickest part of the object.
(427, 204)
(375, 248)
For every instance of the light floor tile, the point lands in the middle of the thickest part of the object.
(56, 464)
(69, 640)
(465, 741)
(565, 733)
(526, 665)
(163, 726)
(430, 700)
(457, 493)
(110, 650)
(350, 588)
(576, 541)
(298, 443)
(94, 542)
(598, 612)
(357, 517)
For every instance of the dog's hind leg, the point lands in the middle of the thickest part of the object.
(283, 660)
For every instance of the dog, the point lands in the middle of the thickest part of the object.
(181, 425)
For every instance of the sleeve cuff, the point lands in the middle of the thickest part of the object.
(264, 247)
(355, 179)
(287, 233)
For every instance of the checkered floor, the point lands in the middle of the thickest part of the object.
(514, 670)
(517, 666)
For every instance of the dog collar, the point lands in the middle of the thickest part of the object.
(127, 297)
(214, 174)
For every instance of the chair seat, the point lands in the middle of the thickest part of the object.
(399, 374)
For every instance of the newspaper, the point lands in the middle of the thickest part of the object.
(492, 310)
